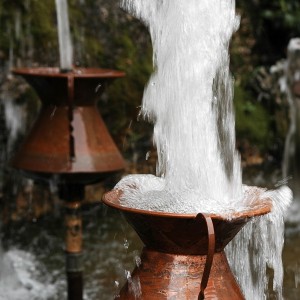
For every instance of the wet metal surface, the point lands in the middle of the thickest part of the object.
(176, 247)
(69, 137)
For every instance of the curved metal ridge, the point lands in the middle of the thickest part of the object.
(112, 199)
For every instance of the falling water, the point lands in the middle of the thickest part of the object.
(258, 247)
(11, 54)
(291, 165)
(189, 100)
(64, 36)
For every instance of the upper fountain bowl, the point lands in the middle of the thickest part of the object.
(69, 137)
(184, 233)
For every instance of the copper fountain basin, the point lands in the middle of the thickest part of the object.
(69, 137)
(176, 250)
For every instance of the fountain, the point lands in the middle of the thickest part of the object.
(196, 204)
(184, 254)
(69, 142)
(69, 138)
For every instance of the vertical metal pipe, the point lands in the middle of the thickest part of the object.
(73, 195)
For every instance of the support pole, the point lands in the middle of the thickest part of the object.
(73, 195)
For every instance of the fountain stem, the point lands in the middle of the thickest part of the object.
(73, 194)
(69, 141)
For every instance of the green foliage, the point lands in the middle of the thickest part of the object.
(265, 31)
(285, 13)
(252, 120)
(29, 30)
(126, 94)
(42, 16)
(274, 23)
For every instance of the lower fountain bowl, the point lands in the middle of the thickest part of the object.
(183, 233)
(175, 257)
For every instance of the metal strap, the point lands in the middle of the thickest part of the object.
(210, 252)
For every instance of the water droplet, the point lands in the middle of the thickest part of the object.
(139, 115)
(98, 87)
(128, 275)
(126, 244)
(137, 260)
(148, 155)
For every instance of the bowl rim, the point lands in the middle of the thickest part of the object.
(75, 72)
(110, 199)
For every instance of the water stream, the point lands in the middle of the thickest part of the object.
(291, 165)
(189, 100)
(64, 35)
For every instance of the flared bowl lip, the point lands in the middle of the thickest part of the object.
(75, 72)
(260, 208)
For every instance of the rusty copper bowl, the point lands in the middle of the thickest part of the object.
(174, 256)
(69, 137)
(179, 233)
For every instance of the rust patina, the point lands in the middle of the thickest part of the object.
(70, 141)
(176, 252)
(69, 137)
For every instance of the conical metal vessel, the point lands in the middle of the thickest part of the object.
(69, 137)
(180, 254)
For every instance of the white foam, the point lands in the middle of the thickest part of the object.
(149, 192)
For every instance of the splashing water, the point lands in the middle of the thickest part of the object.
(189, 100)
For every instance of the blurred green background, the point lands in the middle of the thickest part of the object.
(106, 36)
